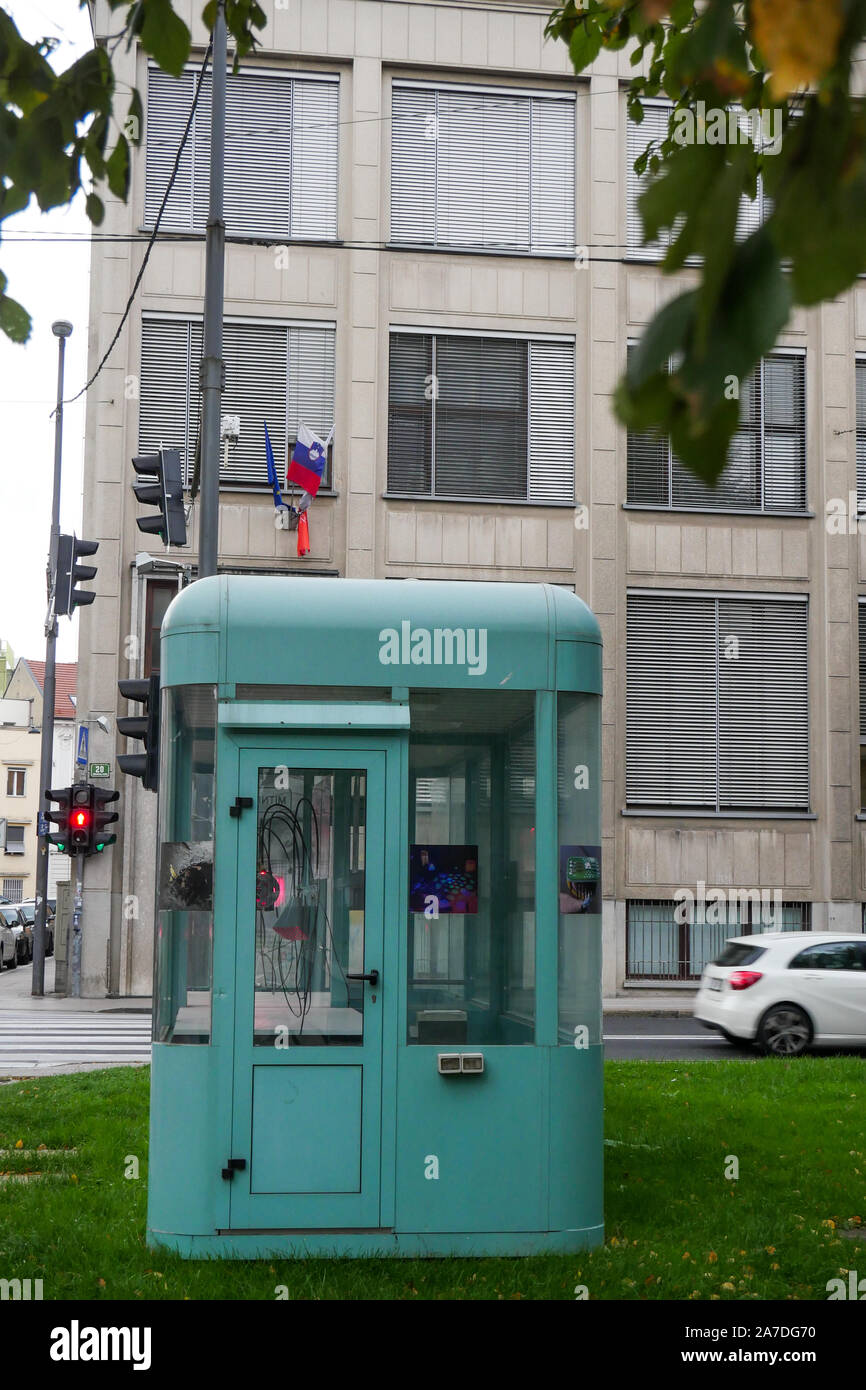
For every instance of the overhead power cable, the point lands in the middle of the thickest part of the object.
(153, 235)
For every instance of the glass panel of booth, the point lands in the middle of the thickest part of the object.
(184, 918)
(471, 867)
(579, 809)
(309, 907)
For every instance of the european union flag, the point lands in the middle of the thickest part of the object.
(272, 471)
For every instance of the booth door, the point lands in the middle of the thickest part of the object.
(308, 1024)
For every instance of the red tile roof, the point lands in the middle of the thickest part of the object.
(66, 684)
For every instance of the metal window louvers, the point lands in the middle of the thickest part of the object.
(763, 706)
(273, 372)
(551, 422)
(552, 175)
(717, 703)
(766, 468)
(480, 413)
(482, 189)
(477, 416)
(281, 154)
(740, 482)
(314, 148)
(784, 432)
(654, 126)
(482, 169)
(413, 165)
(671, 701)
(164, 400)
(410, 413)
(648, 466)
(861, 435)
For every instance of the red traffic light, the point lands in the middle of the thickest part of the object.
(81, 818)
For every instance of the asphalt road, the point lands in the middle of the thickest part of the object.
(654, 1038)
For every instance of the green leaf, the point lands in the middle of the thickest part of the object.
(665, 335)
(94, 208)
(117, 169)
(14, 319)
(584, 45)
(164, 35)
(134, 124)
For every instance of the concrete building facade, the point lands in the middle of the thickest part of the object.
(375, 269)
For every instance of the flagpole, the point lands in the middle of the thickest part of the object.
(212, 364)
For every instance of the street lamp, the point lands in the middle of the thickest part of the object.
(61, 328)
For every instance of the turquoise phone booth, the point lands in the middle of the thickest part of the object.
(377, 994)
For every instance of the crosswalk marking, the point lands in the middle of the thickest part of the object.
(39, 1040)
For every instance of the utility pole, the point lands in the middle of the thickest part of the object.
(212, 365)
(61, 330)
(76, 927)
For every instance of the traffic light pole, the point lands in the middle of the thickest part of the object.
(61, 329)
(212, 366)
(75, 957)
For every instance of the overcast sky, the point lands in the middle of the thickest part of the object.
(51, 280)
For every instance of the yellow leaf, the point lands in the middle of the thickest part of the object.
(712, 1257)
(798, 39)
(654, 10)
(19, 1144)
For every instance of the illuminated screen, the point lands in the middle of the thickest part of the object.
(447, 874)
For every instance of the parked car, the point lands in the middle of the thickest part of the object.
(22, 930)
(28, 908)
(8, 937)
(786, 991)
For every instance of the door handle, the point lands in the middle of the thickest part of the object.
(372, 978)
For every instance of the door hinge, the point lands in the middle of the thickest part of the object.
(234, 1165)
(241, 803)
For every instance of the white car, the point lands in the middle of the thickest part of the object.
(787, 991)
(8, 947)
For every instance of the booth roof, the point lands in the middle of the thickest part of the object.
(346, 632)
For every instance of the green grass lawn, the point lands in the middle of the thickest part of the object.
(677, 1228)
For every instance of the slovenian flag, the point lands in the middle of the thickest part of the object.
(308, 461)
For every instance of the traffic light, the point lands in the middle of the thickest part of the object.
(144, 726)
(81, 820)
(161, 486)
(60, 837)
(69, 573)
(101, 796)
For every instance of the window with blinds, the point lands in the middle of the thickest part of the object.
(492, 169)
(654, 128)
(766, 469)
(861, 617)
(280, 373)
(860, 370)
(717, 703)
(480, 417)
(281, 154)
